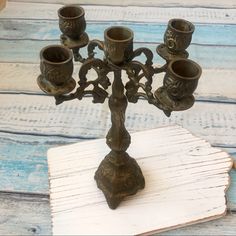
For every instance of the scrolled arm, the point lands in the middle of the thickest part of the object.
(147, 52)
(92, 45)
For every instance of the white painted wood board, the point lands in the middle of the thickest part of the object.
(186, 180)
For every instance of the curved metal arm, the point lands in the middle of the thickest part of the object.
(100, 84)
(161, 69)
(147, 52)
(92, 45)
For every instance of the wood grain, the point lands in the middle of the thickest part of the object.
(25, 81)
(13, 220)
(25, 51)
(38, 115)
(185, 173)
(26, 27)
(24, 10)
(172, 3)
(24, 214)
(48, 30)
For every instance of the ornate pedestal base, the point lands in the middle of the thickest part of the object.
(119, 176)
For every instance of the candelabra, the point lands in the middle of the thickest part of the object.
(119, 175)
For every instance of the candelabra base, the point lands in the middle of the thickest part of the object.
(119, 176)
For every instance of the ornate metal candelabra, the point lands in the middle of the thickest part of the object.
(119, 175)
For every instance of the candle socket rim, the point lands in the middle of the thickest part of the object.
(171, 71)
(106, 35)
(71, 17)
(191, 25)
(61, 47)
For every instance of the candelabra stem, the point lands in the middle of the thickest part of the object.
(118, 175)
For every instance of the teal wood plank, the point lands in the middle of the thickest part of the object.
(144, 32)
(24, 214)
(24, 167)
(27, 51)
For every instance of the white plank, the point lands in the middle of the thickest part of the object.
(24, 10)
(39, 115)
(21, 78)
(180, 176)
(180, 3)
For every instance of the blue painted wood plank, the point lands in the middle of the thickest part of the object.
(24, 167)
(23, 163)
(144, 32)
(27, 51)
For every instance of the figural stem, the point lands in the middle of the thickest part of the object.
(118, 138)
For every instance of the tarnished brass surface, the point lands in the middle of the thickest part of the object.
(119, 175)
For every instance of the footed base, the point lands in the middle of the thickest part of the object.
(119, 176)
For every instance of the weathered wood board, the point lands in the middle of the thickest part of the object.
(167, 3)
(186, 180)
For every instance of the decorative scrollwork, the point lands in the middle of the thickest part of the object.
(92, 45)
(100, 84)
(147, 52)
(133, 70)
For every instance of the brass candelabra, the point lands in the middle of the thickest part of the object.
(119, 175)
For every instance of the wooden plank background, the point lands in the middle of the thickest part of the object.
(30, 123)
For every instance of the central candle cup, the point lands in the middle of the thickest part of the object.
(118, 43)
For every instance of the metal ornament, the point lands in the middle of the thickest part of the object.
(119, 175)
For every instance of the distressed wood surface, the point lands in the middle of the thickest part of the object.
(170, 3)
(186, 180)
(23, 83)
(26, 27)
(24, 214)
(23, 10)
(26, 51)
(11, 29)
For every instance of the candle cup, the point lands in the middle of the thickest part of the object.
(181, 78)
(118, 42)
(178, 35)
(71, 21)
(56, 70)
